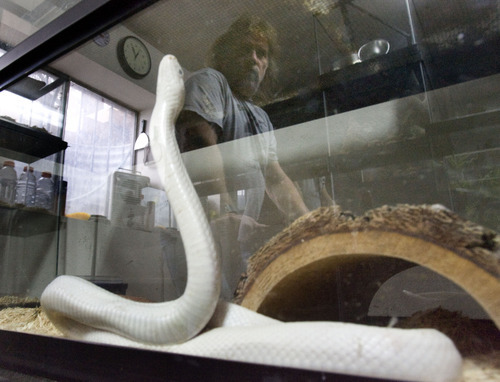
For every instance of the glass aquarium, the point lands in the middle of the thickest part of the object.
(344, 156)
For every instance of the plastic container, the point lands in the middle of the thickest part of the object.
(45, 192)
(8, 182)
(26, 188)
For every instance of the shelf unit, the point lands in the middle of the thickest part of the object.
(27, 144)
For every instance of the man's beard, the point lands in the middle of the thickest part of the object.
(245, 83)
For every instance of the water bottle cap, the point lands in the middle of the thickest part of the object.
(9, 163)
(26, 168)
(46, 174)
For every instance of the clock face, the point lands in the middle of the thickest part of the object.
(134, 57)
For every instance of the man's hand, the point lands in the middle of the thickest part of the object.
(232, 228)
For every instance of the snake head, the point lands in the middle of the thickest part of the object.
(169, 102)
(170, 87)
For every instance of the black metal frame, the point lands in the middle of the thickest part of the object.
(65, 360)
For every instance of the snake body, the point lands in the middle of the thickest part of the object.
(198, 323)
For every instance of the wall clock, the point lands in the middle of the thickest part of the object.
(134, 57)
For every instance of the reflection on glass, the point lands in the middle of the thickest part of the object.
(267, 137)
(219, 108)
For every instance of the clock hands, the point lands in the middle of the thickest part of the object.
(136, 53)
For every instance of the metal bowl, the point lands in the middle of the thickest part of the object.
(373, 49)
(345, 61)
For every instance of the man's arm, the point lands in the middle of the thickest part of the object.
(283, 192)
(194, 132)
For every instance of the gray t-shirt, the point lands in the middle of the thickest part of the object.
(208, 94)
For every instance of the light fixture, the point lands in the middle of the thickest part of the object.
(143, 139)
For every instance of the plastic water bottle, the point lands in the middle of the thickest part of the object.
(26, 188)
(45, 192)
(8, 181)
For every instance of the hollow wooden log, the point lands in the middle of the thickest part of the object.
(431, 236)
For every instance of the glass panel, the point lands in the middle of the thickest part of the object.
(345, 153)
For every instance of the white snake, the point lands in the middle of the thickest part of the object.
(84, 311)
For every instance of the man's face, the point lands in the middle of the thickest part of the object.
(247, 67)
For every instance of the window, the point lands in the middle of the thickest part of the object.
(100, 136)
(29, 104)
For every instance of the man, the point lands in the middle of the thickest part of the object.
(219, 108)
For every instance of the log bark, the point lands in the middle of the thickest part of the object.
(431, 236)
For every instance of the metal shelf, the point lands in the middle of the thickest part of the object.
(405, 57)
(24, 222)
(27, 144)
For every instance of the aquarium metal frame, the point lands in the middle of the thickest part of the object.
(65, 360)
